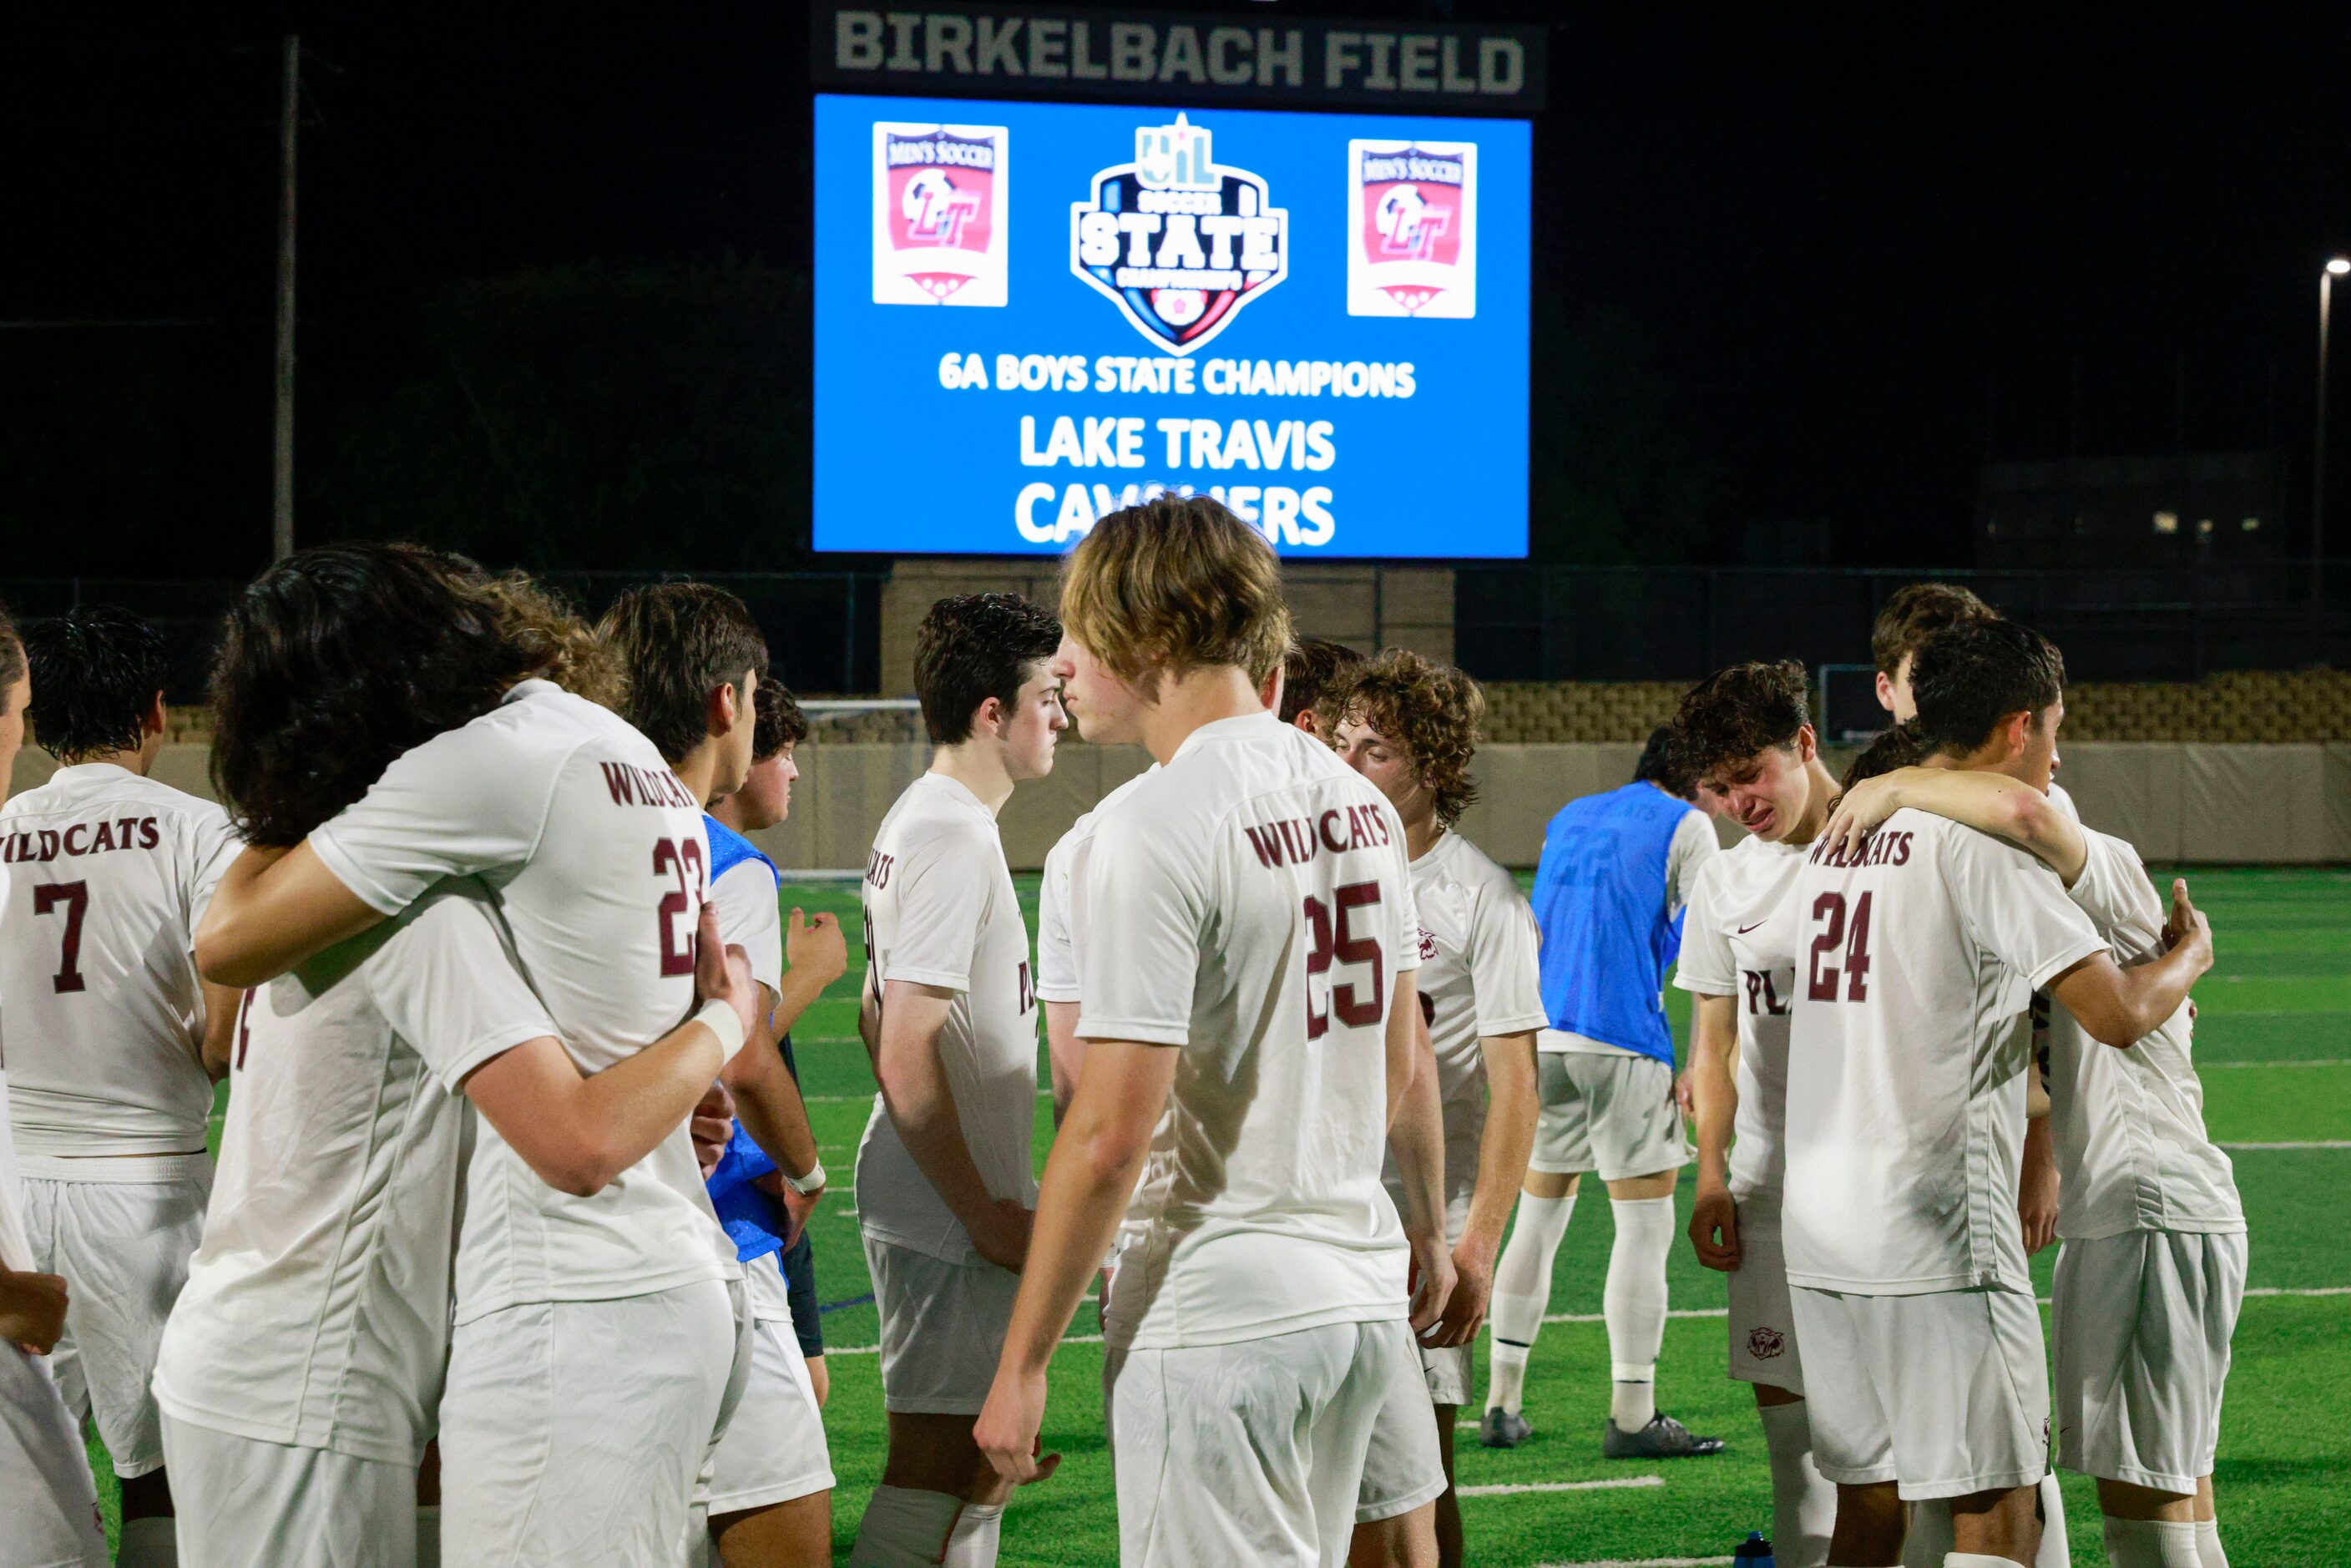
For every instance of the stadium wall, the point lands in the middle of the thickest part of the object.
(2195, 801)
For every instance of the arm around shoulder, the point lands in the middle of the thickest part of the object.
(273, 909)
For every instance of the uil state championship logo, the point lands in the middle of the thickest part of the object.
(939, 210)
(1177, 242)
(1412, 246)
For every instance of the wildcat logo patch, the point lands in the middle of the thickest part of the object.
(939, 206)
(1412, 245)
(1178, 242)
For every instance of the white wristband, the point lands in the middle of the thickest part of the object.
(805, 1184)
(721, 1019)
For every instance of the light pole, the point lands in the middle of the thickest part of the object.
(2334, 269)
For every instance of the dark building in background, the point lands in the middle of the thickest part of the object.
(2190, 509)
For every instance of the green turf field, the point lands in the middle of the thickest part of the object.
(2274, 1037)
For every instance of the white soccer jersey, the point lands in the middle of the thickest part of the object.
(97, 942)
(940, 909)
(1916, 958)
(15, 1246)
(596, 857)
(2128, 1125)
(750, 919)
(1249, 905)
(1478, 977)
(1724, 954)
(1057, 948)
(316, 1311)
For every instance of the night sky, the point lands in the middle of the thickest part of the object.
(1860, 251)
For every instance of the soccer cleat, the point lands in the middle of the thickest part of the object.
(1503, 1428)
(1663, 1438)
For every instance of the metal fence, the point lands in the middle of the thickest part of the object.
(1526, 622)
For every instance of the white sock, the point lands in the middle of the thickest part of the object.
(2056, 1551)
(1975, 1560)
(903, 1527)
(428, 1536)
(1523, 1294)
(2208, 1544)
(1804, 1506)
(977, 1530)
(2152, 1544)
(151, 1542)
(1634, 1304)
(1506, 1375)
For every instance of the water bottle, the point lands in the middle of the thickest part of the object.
(1754, 1552)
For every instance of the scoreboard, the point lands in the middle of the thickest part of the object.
(1029, 314)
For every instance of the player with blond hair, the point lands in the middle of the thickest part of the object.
(1248, 1013)
(1410, 728)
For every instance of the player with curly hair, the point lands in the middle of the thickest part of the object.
(1410, 728)
(594, 1350)
(1746, 734)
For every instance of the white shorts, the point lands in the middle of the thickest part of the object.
(574, 1433)
(1402, 1466)
(943, 1327)
(123, 1249)
(2142, 1322)
(243, 1501)
(774, 1449)
(1611, 1114)
(1762, 1322)
(1251, 1452)
(1947, 1393)
(46, 1494)
(1447, 1372)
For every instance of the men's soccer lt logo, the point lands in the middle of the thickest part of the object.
(933, 209)
(1177, 242)
(939, 207)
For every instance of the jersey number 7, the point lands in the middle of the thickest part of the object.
(75, 897)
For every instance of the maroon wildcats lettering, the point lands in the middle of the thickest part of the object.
(80, 839)
(1878, 848)
(1294, 841)
(631, 785)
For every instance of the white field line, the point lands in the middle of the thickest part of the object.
(1596, 1317)
(1613, 1483)
(2295, 1061)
